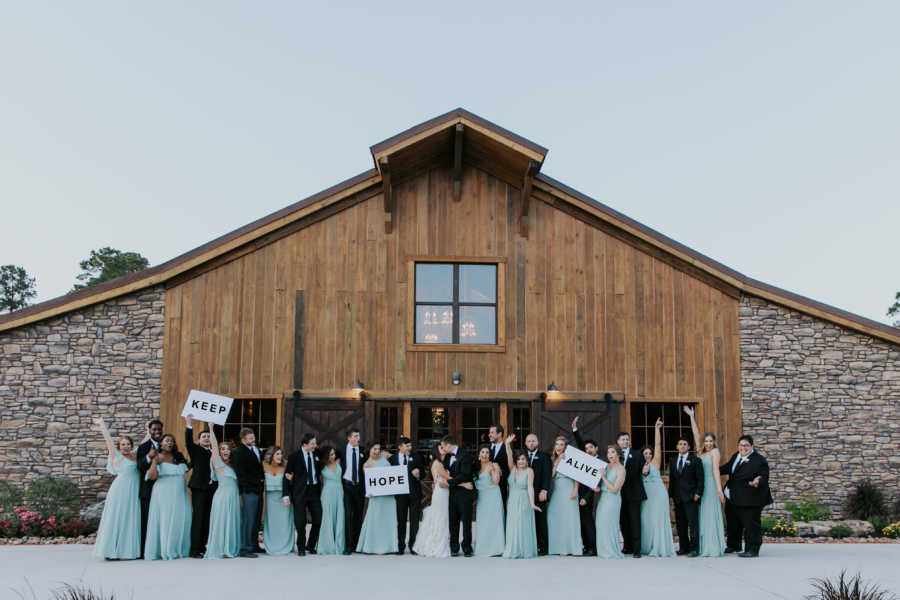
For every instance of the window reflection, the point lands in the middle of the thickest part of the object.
(478, 283)
(477, 325)
(434, 282)
(434, 324)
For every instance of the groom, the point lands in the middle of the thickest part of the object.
(459, 464)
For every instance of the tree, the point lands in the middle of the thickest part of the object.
(894, 311)
(108, 263)
(16, 288)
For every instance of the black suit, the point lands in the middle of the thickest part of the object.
(251, 482)
(202, 491)
(146, 489)
(503, 463)
(409, 505)
(632, 495)
(743, 509)
(543, 475)
(354, 497)
(586, 512)
(461, 500)
(305, 492)
(685, 487)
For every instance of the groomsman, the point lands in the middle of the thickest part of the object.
(746, 492)
(586, 497)
(686, 488)
(202, 489)
(352, 462)
(246, 461)
(409, 506)
(305, 491)
(539, 461)
(458, 463)
(632, 495)
(143, 458)
(498, 455)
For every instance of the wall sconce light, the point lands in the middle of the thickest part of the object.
(457, 378)
(358, 387)
(552, 389)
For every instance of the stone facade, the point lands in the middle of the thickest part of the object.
(822, 403)
(57, 375)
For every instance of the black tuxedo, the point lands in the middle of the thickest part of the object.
(586, 512)
(251, 483)
(543, 475)
(503, 463)
(685, 486)
(743, 508)
(202, 491)
(461, 500)
(305, 491)
(409, 505)
(146, 489)
(632, 495)
(354, 497)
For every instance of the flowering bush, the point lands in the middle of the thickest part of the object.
(892, 530)
(7, 530)
(73, 528)
(782, 528)
(30, 523)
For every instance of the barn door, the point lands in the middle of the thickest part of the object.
(328, 418)
(598, 420)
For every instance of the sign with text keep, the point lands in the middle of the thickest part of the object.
(582, 467)
(387, 481)
(207, 407)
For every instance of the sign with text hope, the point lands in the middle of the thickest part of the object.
(207, 407)
(387, 481)
(582, 467)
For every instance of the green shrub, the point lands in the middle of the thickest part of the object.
(53, 497)
(840, 532)
(895, 511)
(10, 499)
(768, 524)
(807, 509)
(866, 500)
(879, 522)
(848, 588)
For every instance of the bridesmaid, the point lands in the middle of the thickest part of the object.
(169, 519)
(563, 518)
(119, 534)
(712, 530)
(521, 537)
(656, 528)
(610, 505)
(489, 535)
(379, 528)
(225, 515)
(331, 532)
(278, 526)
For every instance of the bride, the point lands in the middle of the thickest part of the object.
(434, 533)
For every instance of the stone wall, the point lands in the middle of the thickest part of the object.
(57, 375)
(822, 403)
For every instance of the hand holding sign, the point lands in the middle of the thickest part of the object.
(207, 407)
(582, 467)
(386, 481)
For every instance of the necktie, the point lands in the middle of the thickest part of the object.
(737, 463)
(680, 463)
(355, 467)
(309, 469)
(530, 458)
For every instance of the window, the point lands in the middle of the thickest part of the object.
(432, 423)
(259, 414)
(456, 303)
(520, 424)
(476, 423)
(388, 426)
(675, 424)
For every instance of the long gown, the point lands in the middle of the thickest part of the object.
(656, 527)
(119, 534)
(521, 538)
(607, 520)
(563, 518)
(489, 535)
(712, 531)
(225, 515)
(169, 520)
(331, 533)
(433, 539)
(278, 526)
(379, 529)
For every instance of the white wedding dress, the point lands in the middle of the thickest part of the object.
(433, 538)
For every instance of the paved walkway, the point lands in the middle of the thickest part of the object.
(782, 572)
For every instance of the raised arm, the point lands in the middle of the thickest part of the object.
(657, 445)
(189, 443)
(509, 459)
(214, 449)
(579, 440)
(110, 444)
(690, 412)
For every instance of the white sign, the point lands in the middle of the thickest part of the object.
(207, 407)
(582, 467)
(387, 481)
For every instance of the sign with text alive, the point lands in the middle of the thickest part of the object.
(582, 467)
(387, 481)
(207, 407)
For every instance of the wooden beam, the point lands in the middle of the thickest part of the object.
(299, 338)
(385, 169)
(457, 162)
(525, 198)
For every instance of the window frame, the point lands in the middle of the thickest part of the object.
(279, 405)
(499, 262)
(697, 403)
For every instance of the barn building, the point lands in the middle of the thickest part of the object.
(450, 287)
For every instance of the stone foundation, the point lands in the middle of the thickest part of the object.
(822, 403)
(57, 375)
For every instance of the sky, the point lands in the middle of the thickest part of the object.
(765, 135)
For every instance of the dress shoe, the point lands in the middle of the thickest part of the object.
(301, 552)
(590, 553)
(196, 555)
(636, 555)
(693, 554)
(413, 552)
(467, 553)
(749, 554)
(399, 552)
(311, 550)
(248, 555)
(681, 553)
(732, 550)
(348, 552)
(542, 553)
(455, 553)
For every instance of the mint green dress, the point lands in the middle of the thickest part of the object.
(712, 530)
(656, 528)
(379, 529)
(521, 537)
(119, 534)
(169, 519)
(331, 533)
(489, 535)
(563, 519)
(225, 516)
(607, 520)
(279, 533)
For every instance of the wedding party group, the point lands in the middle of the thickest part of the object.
(522, 504)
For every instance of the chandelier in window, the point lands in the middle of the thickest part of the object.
(438, 318)
(467, 329)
